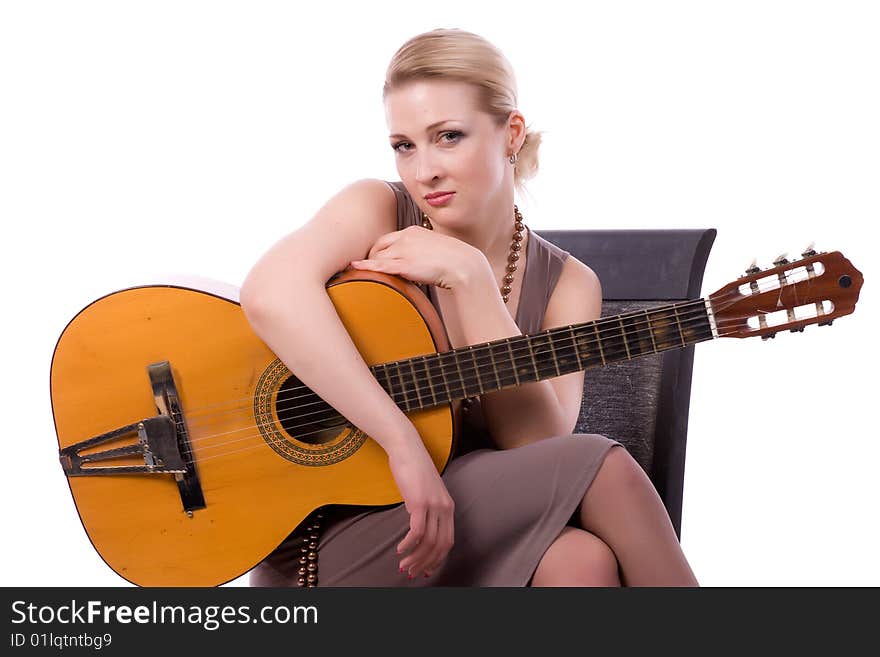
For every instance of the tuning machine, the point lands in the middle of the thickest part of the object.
(753, 268)
(781, 260)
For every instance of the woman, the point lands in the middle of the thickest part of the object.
(532, 504)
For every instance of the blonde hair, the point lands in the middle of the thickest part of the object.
(461, 56)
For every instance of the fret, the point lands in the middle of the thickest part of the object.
(623, 335)
(494, 367)
(545, 365)
(387, 384)
(696, 321)
(599, 342)
(397, 392)
(553, 353)
(613, 340)
(512, 361)
(635, 326)
(402, 387)
(430, 379)
(464, 389)
(678, 323)
(577, 352)
(437, 361)
(415, 381)
(506, 372)
(523, 366)
(650, 331)
(569, 353)
(476, 369)
(450, 394)
(662, 329)
(534, 364)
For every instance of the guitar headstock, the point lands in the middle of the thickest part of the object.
(817, 289)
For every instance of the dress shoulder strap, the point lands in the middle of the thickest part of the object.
(408, 213)
(543, 267)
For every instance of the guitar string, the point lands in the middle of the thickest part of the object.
(408, 391)
(616, 319)
(326, 408)
(562, 345)
(706, 336)
(602, 321)
(467, 380)
(519, 346)
(296, 413)
(262, 443)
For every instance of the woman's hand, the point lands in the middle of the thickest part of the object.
(423, 256)
(430, 507)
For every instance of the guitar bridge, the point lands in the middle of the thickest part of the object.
(160, 441)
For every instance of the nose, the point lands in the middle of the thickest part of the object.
(427, 167)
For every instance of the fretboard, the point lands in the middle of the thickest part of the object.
(439, 378)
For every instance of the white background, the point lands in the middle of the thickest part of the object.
(142, 139)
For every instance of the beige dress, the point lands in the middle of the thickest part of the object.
(510, 505)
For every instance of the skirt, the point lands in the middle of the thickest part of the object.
(510, 505)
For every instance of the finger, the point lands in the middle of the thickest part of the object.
(416, 562)
(387, 266)
(446, 539)
(411, 562)
(416, 530)
(384, 242)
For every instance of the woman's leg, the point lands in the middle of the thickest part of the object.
(577, 558)
(623, 509)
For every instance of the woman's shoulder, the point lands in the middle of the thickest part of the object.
(576, 296)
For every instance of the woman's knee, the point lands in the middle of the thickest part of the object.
(577, 558)
(620, 470)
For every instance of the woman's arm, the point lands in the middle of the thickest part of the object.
(285, 300)
(540, 409)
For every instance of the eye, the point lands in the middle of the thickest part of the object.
(454, 136)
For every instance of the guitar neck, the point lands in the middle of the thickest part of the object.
(433, 379)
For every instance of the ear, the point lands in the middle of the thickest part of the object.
(516, 131)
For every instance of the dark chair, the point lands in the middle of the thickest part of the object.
(643, 403)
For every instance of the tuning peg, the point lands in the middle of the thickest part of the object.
(797, 330)
(826, 323)
(768, 336)
(753, 267)
(781, 260)
(809, 251)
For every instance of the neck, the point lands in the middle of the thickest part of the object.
(491, 231)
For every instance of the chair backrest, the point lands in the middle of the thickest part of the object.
(643, 403)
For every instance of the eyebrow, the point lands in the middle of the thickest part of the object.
(428, 129)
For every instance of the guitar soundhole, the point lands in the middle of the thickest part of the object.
(305, 416)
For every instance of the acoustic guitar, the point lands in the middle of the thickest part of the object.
(191, 451)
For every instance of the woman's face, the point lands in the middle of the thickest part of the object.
(442, 142)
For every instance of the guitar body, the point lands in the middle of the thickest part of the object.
(266, 451)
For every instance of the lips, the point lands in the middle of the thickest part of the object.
(436, 194)
(438, 201)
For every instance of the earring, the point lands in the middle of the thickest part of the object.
(512, 159)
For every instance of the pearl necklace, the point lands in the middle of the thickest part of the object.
(512, 257)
